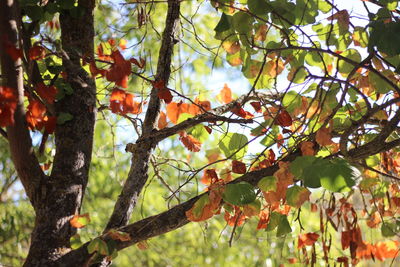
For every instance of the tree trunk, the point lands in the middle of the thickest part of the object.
(62, 192)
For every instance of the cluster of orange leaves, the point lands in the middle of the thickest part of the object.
(122, 102)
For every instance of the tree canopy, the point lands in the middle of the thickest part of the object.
(199, 133)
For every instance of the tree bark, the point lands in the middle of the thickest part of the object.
(61, 194)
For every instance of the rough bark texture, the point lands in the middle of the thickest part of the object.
(25, 161)
(61, 194)
(138, 173)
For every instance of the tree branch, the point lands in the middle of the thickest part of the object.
(22, 153)
(138, 173)
(162, 223)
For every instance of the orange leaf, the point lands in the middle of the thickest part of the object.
(174, 110)
(199, 107)
(264, 219)
(374, 220)
(237, 218)
(142, 245)
(323, 137)
(238, 167)
(206, 206)
(225, 96)
(209, 177)
(8, 104)
(190, 142)
(307, 240)
(118, 235)
(122, 44)
(162, 121)
(35, 114)
(123, 103)
(37, 52)
(283, 119)
(79, 221)
(307, 148)
(231, 47)
(131, 106)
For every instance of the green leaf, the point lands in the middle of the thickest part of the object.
(388, 229)
(360, 36)
(259, 7)
(34, 12)
(297, 195)
(378, 83)
(344, 67)
(267, 183)
(242, 22)
(283, 227)
(224, 23)
(98, 245)
(291, 101)
(63, 117)
(66, 4)
(336, 176)
(302, 168)
(234, 143)
(75, 241)
(239, 194)
(274, 220)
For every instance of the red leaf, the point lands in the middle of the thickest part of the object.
(140, 64)
(8, 104)
(242, 113)
(238, 167)
(47, 93)
(283, 119)
(37, 52)
(165, 94)
(95, 71)
(35, 115)
(256, 106)
(50, 124)
(12, 51)
(190, 142)
(120, 70)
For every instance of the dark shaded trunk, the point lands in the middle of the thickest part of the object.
(62, 192)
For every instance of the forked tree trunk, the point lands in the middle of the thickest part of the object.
(55, 198)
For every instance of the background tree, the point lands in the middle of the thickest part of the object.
(312, 133)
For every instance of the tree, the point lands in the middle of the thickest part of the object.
(319, 118)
